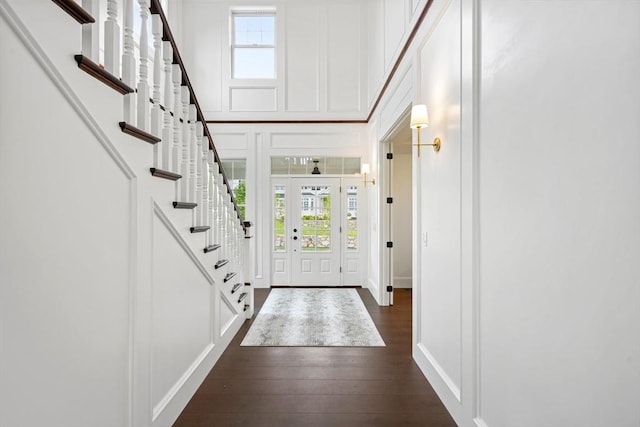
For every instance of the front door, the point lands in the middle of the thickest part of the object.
(309, 247)
(315, 231)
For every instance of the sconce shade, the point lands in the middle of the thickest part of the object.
(419, 116)
(364, 169)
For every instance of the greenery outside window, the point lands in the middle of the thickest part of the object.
(236, 172)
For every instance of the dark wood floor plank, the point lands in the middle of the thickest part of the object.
(321, 386)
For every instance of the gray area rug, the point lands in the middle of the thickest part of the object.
(313, 317)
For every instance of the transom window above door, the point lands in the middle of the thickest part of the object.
(303, 165)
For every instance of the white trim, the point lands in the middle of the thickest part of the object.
(451, 385)
(157, 210)
(162, 404)
(29, 42)
(233, 309)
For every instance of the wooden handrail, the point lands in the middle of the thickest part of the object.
(156, 9)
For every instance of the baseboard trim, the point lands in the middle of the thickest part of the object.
(179, 396)
(442, 384)
(173, 391)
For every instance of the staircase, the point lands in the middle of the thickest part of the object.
(123, 320)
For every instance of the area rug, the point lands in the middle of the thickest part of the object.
(314, 317)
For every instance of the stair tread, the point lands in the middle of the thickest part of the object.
(138, 133)
(95, 70)
(184, 205)
(211, 248)
(76, 11)
(199, 228)
(221, 263)
(165, 174)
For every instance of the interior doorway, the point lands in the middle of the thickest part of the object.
(397, 210)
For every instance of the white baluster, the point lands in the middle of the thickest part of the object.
(200, 177)
(186, 142)
(219, 204)
(210, 200)
(194, 155)
(91, 32)
(176, 78)
(167, 129)
(156, 112)
(143, 82)
(129, 63)
(112, 39)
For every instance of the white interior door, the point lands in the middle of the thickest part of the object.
(315, 232)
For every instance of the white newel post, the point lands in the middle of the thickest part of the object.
(186, 142)
(112, 39)
(194, 154)
(167, 129)
(91, 32)
(143, 83)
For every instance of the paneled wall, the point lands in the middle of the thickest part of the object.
(111, 314)
(320, 65)
(257, 143)
(526, 290)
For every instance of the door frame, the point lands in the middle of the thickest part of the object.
(280, 261)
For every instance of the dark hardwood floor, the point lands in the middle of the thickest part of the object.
(321, 386)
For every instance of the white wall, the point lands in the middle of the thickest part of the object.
(559, 207)
(526, 295)
(110, 312)
(320, 65)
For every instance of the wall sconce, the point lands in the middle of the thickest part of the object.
(419, 120)
(364, 170)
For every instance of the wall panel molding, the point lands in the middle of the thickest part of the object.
(164, 219)
(435, 366)
(251, 99)
(173, 391)
(30, 43)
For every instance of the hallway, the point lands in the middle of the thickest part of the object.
(321, 386)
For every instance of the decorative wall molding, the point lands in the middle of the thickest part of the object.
(173, 391)
(164, 219)
(30, 43)
(451, 385)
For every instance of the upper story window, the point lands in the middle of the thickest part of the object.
(253, 45)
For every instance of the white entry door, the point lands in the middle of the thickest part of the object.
(316, 232)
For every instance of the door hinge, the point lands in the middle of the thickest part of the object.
(341, 229)
(389, 200)
(389, 288)
(340, 269)
(390, 156)
(389, 244)
(341, 188)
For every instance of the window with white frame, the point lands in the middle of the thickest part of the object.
(236, 173)
(253, 44)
